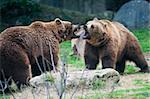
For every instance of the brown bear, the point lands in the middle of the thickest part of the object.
(113, 44)
(27, 51)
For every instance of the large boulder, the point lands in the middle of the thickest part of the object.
(134, 14)
(70, 84)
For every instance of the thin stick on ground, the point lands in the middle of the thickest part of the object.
(52, 59)
(42, 54)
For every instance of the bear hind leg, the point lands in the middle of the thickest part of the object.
(22, 77)
(135, 54)
(141, 63)
(21, 67)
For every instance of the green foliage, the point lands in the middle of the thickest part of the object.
(22, 7)
(18, 12)
(73, 16)
(23, 12)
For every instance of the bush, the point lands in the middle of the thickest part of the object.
(17, 11)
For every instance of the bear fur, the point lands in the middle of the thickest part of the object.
(27, 51)
(113, 44)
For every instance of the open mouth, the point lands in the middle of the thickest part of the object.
(85, 34)
(81, 33)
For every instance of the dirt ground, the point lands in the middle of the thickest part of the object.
(126, 81)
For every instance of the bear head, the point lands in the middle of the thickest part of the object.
(62, 30)
(65, 29)
(95, 32)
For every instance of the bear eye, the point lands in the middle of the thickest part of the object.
(61, 31)
(92, 26)
(85, 27)
(76, 29)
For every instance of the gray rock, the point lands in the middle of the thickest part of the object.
(134, 14)
(77, 78)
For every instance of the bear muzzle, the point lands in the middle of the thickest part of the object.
(82, 32)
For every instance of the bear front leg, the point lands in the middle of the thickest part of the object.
(91, 56)
(120, 66)
(108, 62)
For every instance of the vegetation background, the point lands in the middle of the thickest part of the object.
(23, 12)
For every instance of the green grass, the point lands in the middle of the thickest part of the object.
(143, 36)
(114, 95)
(4, 97)
(130, 69)
(138, 93)
(65, 53)
(140, 82)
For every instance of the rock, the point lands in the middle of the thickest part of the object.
(106, 15)
(134, 14)
(77, 78)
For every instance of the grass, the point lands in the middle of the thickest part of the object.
(4, 97)
(143, 36)
(130, 69)
(73, 60)
(138, 93)
(140, 82)
(114, 96)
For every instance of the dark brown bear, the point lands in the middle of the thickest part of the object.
(113, 44)
(27, 51)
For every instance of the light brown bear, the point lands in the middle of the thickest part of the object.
(27, 51)
(113, 44)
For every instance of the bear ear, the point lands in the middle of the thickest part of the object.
(58, 21)
(96, 19)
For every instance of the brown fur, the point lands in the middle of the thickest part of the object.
(22, 48)
(113, 44)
